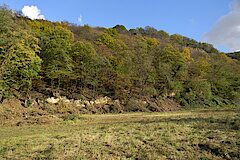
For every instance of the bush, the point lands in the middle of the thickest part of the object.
(153, 107)
(70, 117)
(116, 107)
(135, 105)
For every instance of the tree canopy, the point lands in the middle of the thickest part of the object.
(143, 63)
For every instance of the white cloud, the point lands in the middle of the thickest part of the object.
(80, 19)
(226, 31)
(32, 12)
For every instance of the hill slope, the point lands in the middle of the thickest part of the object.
(41, 59)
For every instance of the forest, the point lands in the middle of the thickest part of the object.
(41, 59)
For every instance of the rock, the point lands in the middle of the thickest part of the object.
(63, 98)
(52, 100)
(78, 103)
(66, 101)
(87, 103)
(172, 94)
(102, 100)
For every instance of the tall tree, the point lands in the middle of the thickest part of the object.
(56, 43)
(84, 63)
(19, 60)
(171, 69)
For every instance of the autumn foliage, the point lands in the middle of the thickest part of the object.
(142, 63)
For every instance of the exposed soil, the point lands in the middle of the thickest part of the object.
(16, 112)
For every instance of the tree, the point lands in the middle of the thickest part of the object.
(111, 42)
(171, 70)
(177, 38)
(120, 28)
(56, 43)
(84, 63)
(197, 89)
(142, 72)
(150, 31)
(224, 78)
(163, 35)
(19, 60)
(186, 54)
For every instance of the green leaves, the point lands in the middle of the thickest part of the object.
(19, 60)
(111, 42)
(85, 60)
(224, 77)
(142, 62)
(56, 42)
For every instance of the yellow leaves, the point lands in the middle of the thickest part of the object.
(35, 25)
(111, 42)
(186, 54)
(204, 64)
(152, 41)
(115, 63)
(106, 39)
(21, 63)
(83, 48)
(201, 68)
(225, 58)
(62, 24)
(177, 38)
(43, 27)
(112, 32)
(172, 55)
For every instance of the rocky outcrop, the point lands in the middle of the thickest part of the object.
(80, 103)
(52, 100)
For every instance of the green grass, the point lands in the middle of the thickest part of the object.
(201, 134)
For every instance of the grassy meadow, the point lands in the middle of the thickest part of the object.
(198, 134)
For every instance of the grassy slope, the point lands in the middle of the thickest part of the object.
(204, 134)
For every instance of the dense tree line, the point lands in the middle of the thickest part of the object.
(49, 57)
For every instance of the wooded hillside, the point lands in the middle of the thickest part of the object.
(40, 59)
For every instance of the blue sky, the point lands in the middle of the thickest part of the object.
(191, 18)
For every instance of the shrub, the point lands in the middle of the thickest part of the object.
(136, 105)
(70, 117)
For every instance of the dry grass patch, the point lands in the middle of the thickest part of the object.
(207, 134)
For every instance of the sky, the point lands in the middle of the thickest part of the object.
(202, 20)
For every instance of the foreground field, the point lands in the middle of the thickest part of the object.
(202, 134)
